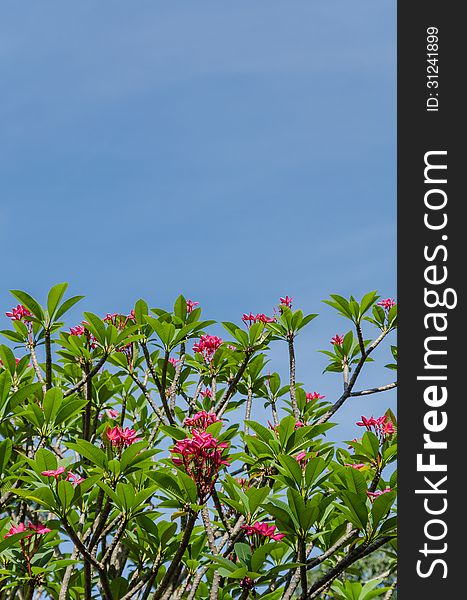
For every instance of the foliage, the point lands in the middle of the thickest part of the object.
(131, 467)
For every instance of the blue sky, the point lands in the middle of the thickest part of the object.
(234, 152)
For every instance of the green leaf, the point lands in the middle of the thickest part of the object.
(292, 467)
(95, 326)
(52, 403)
(286, 429)
(243, 551)
(180, 308)
(381, 506)
(357, 508)
(29, 302)
(89, 451)
(371, 444)
(54, 298)
(65, 307)
(314, 468)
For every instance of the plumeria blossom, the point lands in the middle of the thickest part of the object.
(201, 420)
(356, 466)
(373, 495)
(387, 304)
(120, 438)
(381, 426)
(78, 330)
(310, 396)
(190, 305)
(207, 393)
(53, 472)
(112, 413)
(174, 362)
(19, 313)
(261, 532)
(301, 458)
(258, 318)
(286, 301)
(119, 321)
(39, 529)
(75, 479)
(207, 346)
(201, 456)
(337, 340)
(299, 424)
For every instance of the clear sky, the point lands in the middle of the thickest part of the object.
(231, 151)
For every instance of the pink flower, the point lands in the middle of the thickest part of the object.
(18, 313)
(75, 479)
(368, 423)
(174, 362)
(262, 531)
(207, 346)
(190, 305)
(373, 495)
(112, 413)
(119, 321)
(53, 472)
(337, 339)
(78, 330)
(387, 304)
(201, 456)
(206, 393)
(381, 426)
(81, 330)
(357, 466)
(39, 528)
(388, 428)
(299, 424)
(260, 317)
(19, 529)
(121, 437)
(201, 420)
(310, 396)
(301, 458)
(286, 301)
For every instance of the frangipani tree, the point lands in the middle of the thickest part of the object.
(131, 466)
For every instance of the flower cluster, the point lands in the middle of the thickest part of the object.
(174, 362)
(120, 438)
(201, 421)
(337, 340)
(310, 396)
(373, 495)
(207, 346)
(261, 532)
(259, 318)
(207, 393)
(190, 305)
(286, 301)
(201, 456)
(38, 529)
(80, 330)
(387, 304)
(29, 543)
(382, 426)
(19, 313)
(119, 321)
(55, 473)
